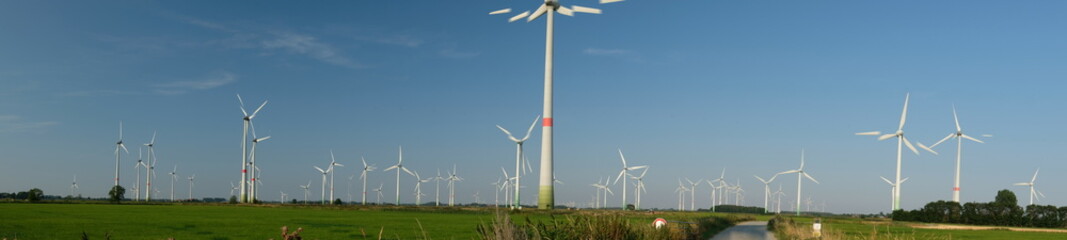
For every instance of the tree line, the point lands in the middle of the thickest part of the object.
(1002, 211)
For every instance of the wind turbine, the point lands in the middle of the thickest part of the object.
(173, 177)
(333, 163)
(137, 169)
(324, 172)
(681, 190)
(640, 187)
(283, 196)
(152, 170)
(191, 178)
(117, 146)
(766, 189)
(901, 140)
(379, 190)
(232, 188)
(893, 186)
(437, 191)
(625, 171)
(1033, 193)
(549, 7)
(607, 190)
(244, 145)
(722, 185)
(508, 181)
(305, 187)
(399, 166)
(711, 184)
(519, 154)
(800, 172)
(959, 152)
(73, 185)
(693, 193)
(418, 187)
(496, 192)
(366, 168)
(452, 178)
(779, 194)
(255, 141)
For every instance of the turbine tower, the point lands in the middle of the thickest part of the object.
(766, 189)
(253, 189)
(173, 177)
(546, 197)
(333, 163)
(892, 186)
(959, 152)
(119, 145)
(150, 168)
(901, 141)
(624, 172)
(800, 172)
(366, 168)
(244, 147)
(519, 155)
(1033, 193)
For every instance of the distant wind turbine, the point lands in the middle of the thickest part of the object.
(119, 145)
(399, 167)
(244, 147)
(519, 155)
(893, 186)
(625, 170)
(1033, 192)
(800, 172)
(766, 189)
(324, 172)
(366, 168)
(333, 164)
(959, 152)
(305, 187)
(901, 140)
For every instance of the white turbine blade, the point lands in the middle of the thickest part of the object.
(609, 1)
(636, 168)
(643, 173)
(320, 169)
(124, 148)
(872, 133)
(623, 158)
(623, 172)
(520, 16)
(950, 135)
(954, 117)
(407, 171)
(364, 160)
(908, 143)
(1022, 184)
(505, 173)
(904, 114)
(786, 172)
(971, 138)
(257, 109)
(585, 9)
(903, 180)
(540, 11)
(242, 105)
(532, 125)
(609, 190)
(887, 136)
(508, 133)
(760, 179)
(1035, 176)
(1035, 190)
(390, 168)
(924, 147)
(690, 181)
(262, 139)
(887, 181)
(501, 11)
(987, 135)
(565, 11)
(809, 177)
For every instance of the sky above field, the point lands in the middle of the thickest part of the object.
(686, 87)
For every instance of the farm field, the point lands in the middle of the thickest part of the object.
(135, 221)
(853, 228)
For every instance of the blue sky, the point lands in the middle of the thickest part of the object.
(688, 87)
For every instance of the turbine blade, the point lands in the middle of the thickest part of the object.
(904, 114)
(786, 172)
(585, 9)
(908, 143)
(257, 109)
(537, 13)
(320, 169)
(924, 147)
(760, 179)
(242, 105)
(565, 11)
(501, 11)
(887, 136)
(887, 180)
(1035, 176)
(389, 168)
(636, 168)
(623, 172)
(809, 177)
(520, 16)
(950, 135)
(872, 133)
(532, 125)
(1022, 184)
(407, 171)
(903, 180)
(971, 138)
(954, 117)
(609, 1)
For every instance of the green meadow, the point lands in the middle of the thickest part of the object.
(854, 228)
(203, 221)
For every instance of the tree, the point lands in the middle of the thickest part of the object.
(117, 193)
(34, 195)
(337, 201)
(1006, 197)
(233, 199)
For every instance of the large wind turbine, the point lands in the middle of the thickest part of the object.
(150, 168)
(324, 172)
(519, 155)
(333, 163)
(173, 177)
(959, 152)
(244, 146)
(418, 188)
(399, 167)
(640, 188)
(893, 186)
(693, 193)
(766, 189)
(1033, 193)
(800, 172)
(137, 169)
(452, 178)
(253, 189)
(119, 145)
(546, 199)
(624, 172)
(901, 141)
(366, 168)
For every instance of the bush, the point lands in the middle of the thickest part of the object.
(116, 194)
(34, 195)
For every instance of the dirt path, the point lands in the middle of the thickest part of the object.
(752, 230)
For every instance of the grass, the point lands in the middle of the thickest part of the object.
(220, 221)
(854, 228)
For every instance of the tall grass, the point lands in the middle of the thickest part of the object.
(787, 229)
(596, 227)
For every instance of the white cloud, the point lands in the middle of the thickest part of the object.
(12, 123)
(308, 45)
(182, 87)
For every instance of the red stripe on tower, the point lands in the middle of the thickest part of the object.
(956, 189)
(244, 170)
(547, 122)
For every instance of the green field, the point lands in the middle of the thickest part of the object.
(853, 228)
(133, 221)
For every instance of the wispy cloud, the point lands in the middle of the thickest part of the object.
(310, 46)
(12, 123)
(98, 93)
(182, 87)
